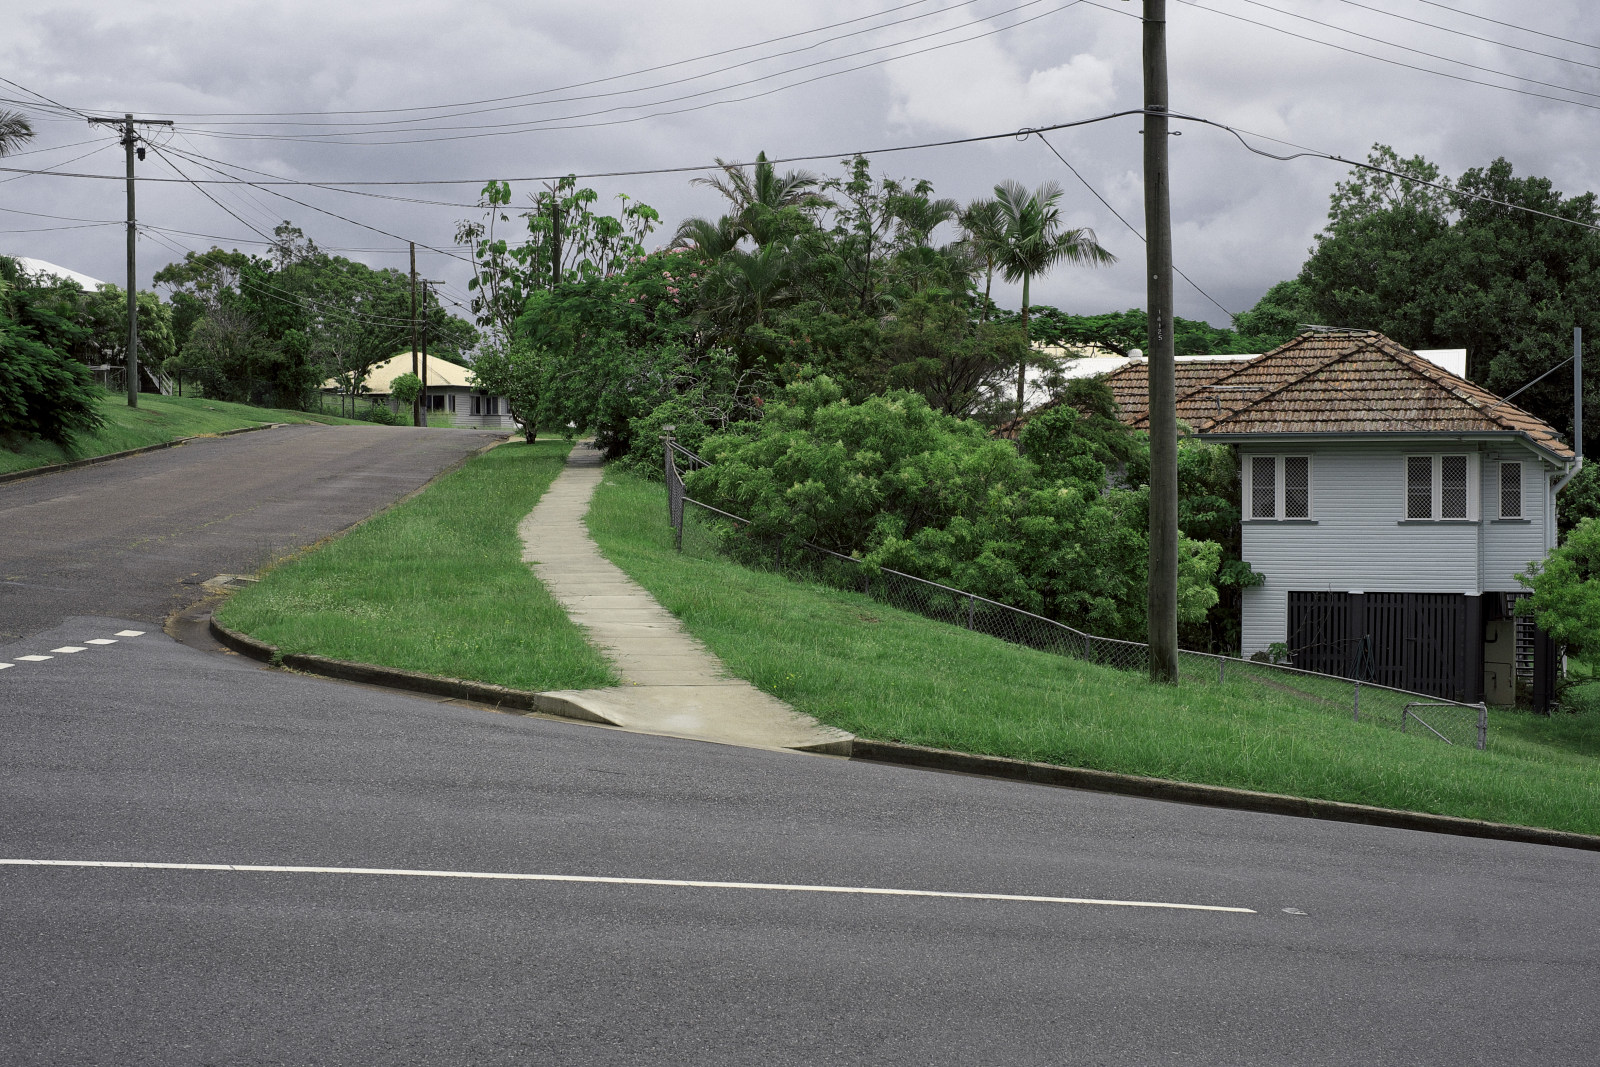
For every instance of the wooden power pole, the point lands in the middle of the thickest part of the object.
(130, 139)
(416, 405)
(1163, 581)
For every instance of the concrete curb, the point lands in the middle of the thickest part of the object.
(938, 759)
(498, 696)
(1210, 795)
(56, 468)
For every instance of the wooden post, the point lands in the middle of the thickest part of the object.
(1163, 578)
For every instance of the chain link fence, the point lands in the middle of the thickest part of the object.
(705, 532)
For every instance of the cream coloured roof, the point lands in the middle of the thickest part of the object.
(440, 372)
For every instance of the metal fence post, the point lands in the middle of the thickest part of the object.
(1222, 670)
(972, 603)
(1483, 724)
(1356, 713)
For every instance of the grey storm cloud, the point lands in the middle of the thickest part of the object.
(310, 91)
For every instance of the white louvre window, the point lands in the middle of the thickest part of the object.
(1511, 490)
(493, 405)
(1263, 487)
(1297, 487)
(1419, 487)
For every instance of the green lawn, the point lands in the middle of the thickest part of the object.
(156, 419)
(434, 584)
(856, 664)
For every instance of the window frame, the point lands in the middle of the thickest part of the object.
(1474, 487)
(1522, 494)
(1280, 487)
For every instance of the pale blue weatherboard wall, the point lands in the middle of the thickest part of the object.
(1358, 539)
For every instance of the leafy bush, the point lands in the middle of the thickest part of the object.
(900, 485)
(380, 414)
(43, 392)
(1566, 594)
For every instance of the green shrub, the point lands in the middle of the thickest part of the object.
(380, 414)
(44, 393)
(900, 485)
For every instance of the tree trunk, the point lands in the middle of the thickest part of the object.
(1022, 367)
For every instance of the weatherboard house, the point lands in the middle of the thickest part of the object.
(1388, 504)
(450, 392)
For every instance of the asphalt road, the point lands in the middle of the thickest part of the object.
(1400, 947)
(135, 537)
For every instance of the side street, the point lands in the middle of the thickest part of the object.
(948, 532)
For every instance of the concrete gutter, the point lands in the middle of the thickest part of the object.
(497, 696)
(55, 468)
(935, 759)
(1211, 795)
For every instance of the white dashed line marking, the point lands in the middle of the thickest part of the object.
(67, 650)
(607, 880)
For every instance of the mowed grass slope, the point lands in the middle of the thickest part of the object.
(435, 584)
(155, 420)
(886, 675)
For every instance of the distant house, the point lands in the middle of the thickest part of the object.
(1388, 503)
(450, 392)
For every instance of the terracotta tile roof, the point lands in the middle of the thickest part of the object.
(1131, 383)
(1330, 382)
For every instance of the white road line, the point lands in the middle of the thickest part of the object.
(130, 633)
(101, 641)
(33, 659)
(69, 649)
(603, 880)
(3, 666)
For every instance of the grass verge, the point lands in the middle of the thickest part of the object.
(435, 584)
(156, 419)
(879, 673)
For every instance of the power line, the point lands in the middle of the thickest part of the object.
(1472, 36)
(201, 190)
(501, 106)
(1509, 25)
(542, 125)
(324, 211)
(1407, 48)
(1441, 187)
(341, 186)
(1382, 59)
(558, 89)
(1128, 224)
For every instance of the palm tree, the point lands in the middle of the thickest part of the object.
(710, 240)
(760, 192)
(1034, 241)
(14, 131)
(983, 233)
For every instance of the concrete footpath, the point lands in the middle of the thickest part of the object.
(672, 684)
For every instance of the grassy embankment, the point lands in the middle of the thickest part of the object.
(434, 584)
(856, 664)
(156, 419)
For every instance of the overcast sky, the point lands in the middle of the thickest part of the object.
(227, 73)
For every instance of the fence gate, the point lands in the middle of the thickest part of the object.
(1414, 641)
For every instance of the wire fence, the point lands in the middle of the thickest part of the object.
(706, 532)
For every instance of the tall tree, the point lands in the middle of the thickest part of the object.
(15, 131)
(1034, 242)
